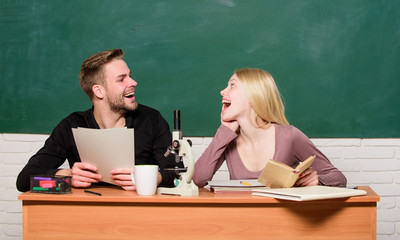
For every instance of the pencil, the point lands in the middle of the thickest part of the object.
(245, 183)
(96, 193)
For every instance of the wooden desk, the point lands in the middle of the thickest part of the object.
(119, 214)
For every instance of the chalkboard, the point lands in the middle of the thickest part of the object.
(336, 63)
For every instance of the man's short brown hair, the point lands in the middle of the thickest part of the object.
(92, 69)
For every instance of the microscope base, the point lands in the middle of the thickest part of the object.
(183, 189)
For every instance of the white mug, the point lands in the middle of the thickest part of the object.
(145, 178)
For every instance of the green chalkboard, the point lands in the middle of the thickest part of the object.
(336, 62)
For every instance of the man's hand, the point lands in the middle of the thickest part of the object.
(122, 177)
(84, 174)
(308, 178)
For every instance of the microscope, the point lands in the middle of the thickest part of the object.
(184, 186)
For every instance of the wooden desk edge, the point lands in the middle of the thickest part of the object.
(112, 194)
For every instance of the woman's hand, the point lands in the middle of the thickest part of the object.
(233, 125)
(307, 178)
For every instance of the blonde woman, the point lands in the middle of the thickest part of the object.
(254, 129)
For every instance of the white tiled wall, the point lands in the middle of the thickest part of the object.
(371, 162)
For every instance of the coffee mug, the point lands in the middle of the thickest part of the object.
(145, 178)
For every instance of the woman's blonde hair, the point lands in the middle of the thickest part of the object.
(263, 95)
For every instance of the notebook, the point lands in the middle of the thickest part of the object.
(309, 193)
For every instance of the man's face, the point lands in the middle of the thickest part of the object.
(120, 87)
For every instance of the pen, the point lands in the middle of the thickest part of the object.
(96, 193)
(245, 183)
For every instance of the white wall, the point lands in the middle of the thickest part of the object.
(369, 162)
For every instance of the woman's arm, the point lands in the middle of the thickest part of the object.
(328, 174)
(213, 157)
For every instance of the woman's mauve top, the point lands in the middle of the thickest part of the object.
(291, 147)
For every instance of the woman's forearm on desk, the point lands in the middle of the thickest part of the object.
(213, 157)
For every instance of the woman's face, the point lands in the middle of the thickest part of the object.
(234, 100)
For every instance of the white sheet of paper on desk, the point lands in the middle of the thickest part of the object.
(106, 149)
(235, 183)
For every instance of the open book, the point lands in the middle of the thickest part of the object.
(309, 193)
(280, 175)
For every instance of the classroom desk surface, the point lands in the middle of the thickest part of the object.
(119, 214)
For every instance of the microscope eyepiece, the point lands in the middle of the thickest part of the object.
(177, 120)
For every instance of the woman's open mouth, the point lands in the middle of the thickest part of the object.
(225, 104)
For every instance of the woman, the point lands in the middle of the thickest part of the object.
(254, 129)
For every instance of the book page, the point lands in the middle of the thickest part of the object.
(280, 175)
(305, 164)
(275, 174)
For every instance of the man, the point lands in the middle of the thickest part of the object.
(106, 79)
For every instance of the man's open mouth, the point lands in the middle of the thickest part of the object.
(129, 95)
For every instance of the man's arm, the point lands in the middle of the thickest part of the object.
(57, 148)
(45, 162)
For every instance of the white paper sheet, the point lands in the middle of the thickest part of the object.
(247, 183)
(106, 149)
